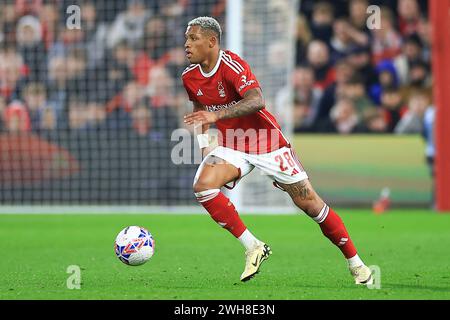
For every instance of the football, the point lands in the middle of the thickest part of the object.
(134, 245)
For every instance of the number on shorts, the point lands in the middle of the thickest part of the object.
(288, 158)
(279, 159)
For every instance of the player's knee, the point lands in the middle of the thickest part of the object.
(202, 185)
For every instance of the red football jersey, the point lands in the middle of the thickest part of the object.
(223, 87)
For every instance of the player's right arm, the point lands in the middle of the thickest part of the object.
(201, 129)
(251, 102)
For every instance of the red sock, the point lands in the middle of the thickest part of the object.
(334, 229)
(221, 210)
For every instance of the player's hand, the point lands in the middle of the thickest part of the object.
(205, 117)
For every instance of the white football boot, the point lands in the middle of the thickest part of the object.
(362, 275)
(253, 260)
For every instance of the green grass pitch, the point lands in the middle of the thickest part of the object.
(195, 259)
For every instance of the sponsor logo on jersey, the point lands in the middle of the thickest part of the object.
(199, 93)
(221, 89)
(246, 83)
(217, 107)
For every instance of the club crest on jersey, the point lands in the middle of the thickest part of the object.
(221, 89)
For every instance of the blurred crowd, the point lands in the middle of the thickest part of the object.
(121, 69)
(109, 91)
(352, 79)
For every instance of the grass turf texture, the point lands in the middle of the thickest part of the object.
(195, 259)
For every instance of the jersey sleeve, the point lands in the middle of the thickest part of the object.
(240, 75)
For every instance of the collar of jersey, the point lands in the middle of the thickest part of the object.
(214, 70)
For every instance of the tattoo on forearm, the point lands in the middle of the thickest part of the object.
(241, 109)
(198, 107)
(249, 104)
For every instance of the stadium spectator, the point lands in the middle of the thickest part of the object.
(354, 89)
(8, 19)
(85, 115)
(11, 73)
(107, 10)
(95, 34)
(303, 36)
(68, 40)
(141, 119)
(42, 115)
(16, 118)
(413, 119)
(123, 55)
(57, 83)
(393, 106)
(343, 119)
(78, 81)
(408, 16)
(412, 50)
(132, 95)
(154, 123)
(318, 57)
(161, 88)
(374, 121)
(198, 8)
(77, 113)
(418, 78)
(341, 42)
(299, 114)
(175, 65)
(358, 19)
(129, 25)
(360, 59)
(344, 71)
(173, 15)
(156, 44)
(28, 7)
(112, 75)
(49, 17)
(97, 115)
(89, 19)
(387, 41)
(31, 47)
(307, 99)
(387, 77)
(419, 75)
(424, 32)
(156, 37)
(322, 21)
(48, 120)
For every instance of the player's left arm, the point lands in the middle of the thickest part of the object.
(252, 101)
